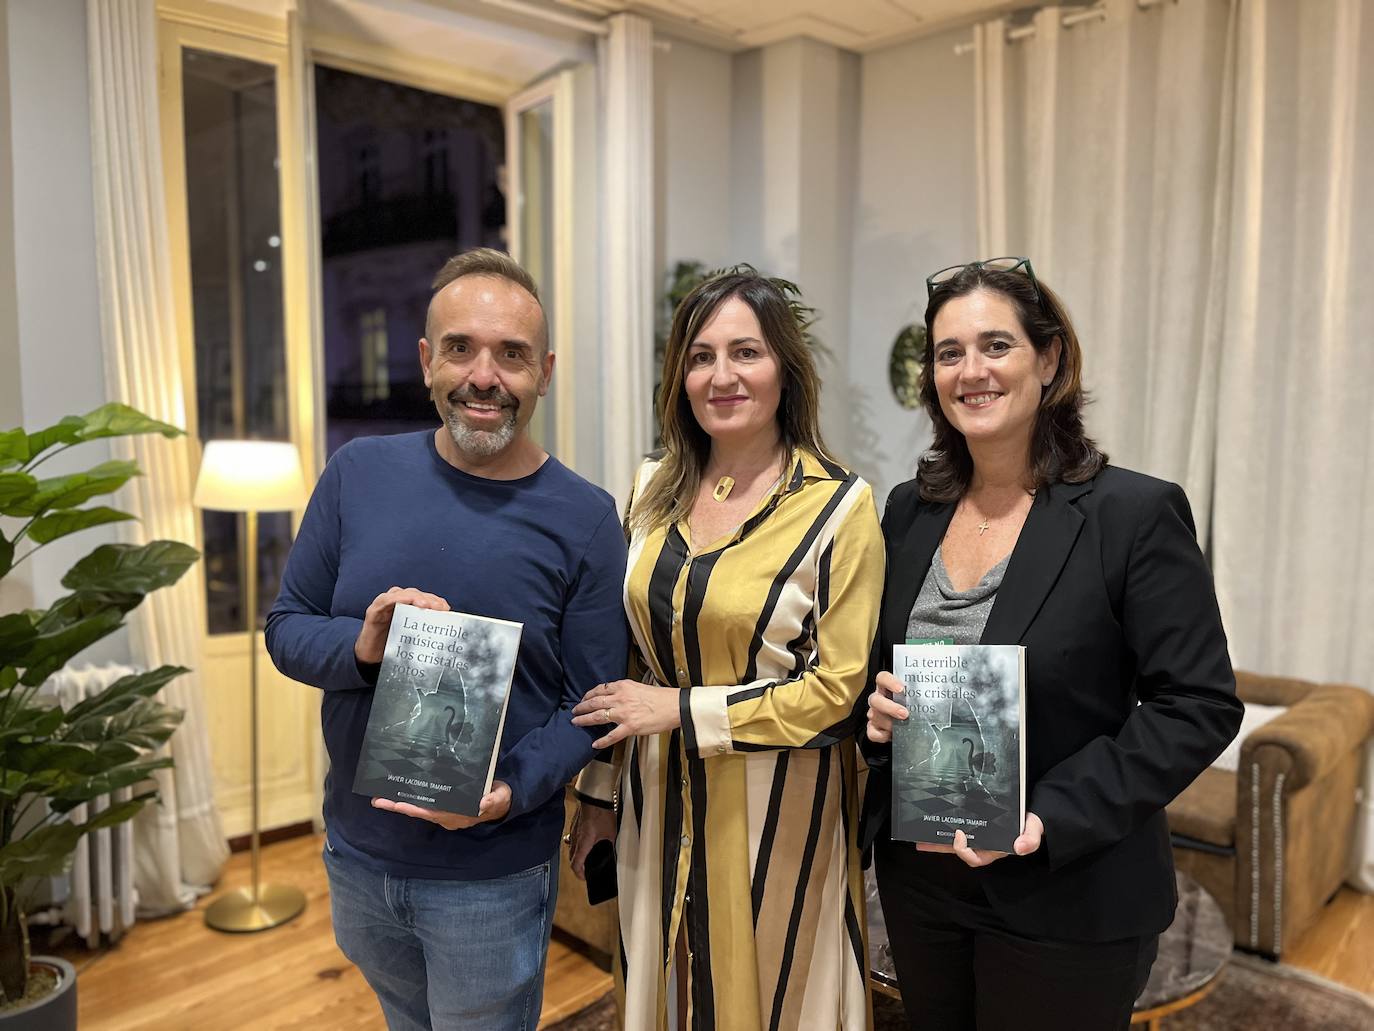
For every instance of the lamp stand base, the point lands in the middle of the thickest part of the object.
(236, 911)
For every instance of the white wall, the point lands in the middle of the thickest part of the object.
(692, 151)
(794, 141)
(11, 399)
(914, 212)
(55, 301)
(853, 175)
(826, 170)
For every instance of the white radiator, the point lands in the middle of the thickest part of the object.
(100, 894)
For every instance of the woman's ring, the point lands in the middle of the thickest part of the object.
(606, 716)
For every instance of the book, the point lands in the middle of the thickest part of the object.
(438, 709)
(959, 759)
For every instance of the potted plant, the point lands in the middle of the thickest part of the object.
(53, 759)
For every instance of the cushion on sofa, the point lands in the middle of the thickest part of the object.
(1256, 716)
(1206, 811)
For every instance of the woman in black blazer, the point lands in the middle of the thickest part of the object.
(1130, 693)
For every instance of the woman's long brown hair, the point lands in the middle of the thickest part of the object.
(687, 446)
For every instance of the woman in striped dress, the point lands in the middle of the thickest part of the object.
(730, 780)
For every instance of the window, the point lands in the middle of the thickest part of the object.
(434, 162)
(234, 230)
(376, 381)
(368, 174)
(433, 165)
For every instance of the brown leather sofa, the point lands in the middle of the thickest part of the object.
(594, 926)
(1272, 842)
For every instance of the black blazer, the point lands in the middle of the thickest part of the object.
(1113, 601)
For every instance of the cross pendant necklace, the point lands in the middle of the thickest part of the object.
(982, 526)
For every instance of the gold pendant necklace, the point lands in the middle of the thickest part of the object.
(723, 487)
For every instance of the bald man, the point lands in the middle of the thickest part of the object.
(448, 916)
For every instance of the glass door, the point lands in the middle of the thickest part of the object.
(236, 229)
(406, 178)
(539, 170)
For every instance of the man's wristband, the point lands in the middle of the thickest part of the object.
(369, 671)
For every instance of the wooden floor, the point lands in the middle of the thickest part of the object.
(1340, 945)
(176, 974)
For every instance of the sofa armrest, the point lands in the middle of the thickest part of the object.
(1271, 690)
(1307, 741)
(1296, 787)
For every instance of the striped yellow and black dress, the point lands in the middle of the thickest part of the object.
(740, 828)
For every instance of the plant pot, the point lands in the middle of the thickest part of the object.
(56, 1011)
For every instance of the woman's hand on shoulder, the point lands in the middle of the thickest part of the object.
(1029, 841)
(883, 710)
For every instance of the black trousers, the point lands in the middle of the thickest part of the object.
(961, 969)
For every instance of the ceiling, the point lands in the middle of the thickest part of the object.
(857, 25)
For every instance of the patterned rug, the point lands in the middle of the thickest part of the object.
(1252, 993)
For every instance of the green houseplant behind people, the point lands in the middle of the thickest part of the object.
(55, 759)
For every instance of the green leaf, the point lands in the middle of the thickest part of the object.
(6, 555)
(59, 524)
(142, 725)
(28, 720)
(35, 756)
(124, 691)
(47, 653)
(15, 488)
(43, 852)
(71, 608)
(65, 432)
(14, 448)
(16, 633)
(74, 489)
(118, 420)
(131, 567)
(117, 813)
(13, 783)
(65, 798)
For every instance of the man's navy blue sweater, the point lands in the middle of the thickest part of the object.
(545, 550)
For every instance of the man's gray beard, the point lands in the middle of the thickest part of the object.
(480, 443)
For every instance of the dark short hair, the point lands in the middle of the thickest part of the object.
(486, 261)
(1061, 450)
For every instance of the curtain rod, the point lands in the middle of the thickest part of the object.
(1096, 13)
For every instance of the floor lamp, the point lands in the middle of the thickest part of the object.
(252, 476)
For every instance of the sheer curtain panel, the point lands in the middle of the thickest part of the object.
(180, 847)
(1188, 177)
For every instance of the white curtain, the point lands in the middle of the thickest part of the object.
(625, 60)
(1293, 537)
(1099, 148)
(180, 846)
(1187, 177)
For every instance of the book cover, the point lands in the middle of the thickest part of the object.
(959, 760)
(438, 710)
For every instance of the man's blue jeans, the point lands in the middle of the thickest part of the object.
(446, 955)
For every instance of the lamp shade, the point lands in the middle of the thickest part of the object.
(250, 476)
